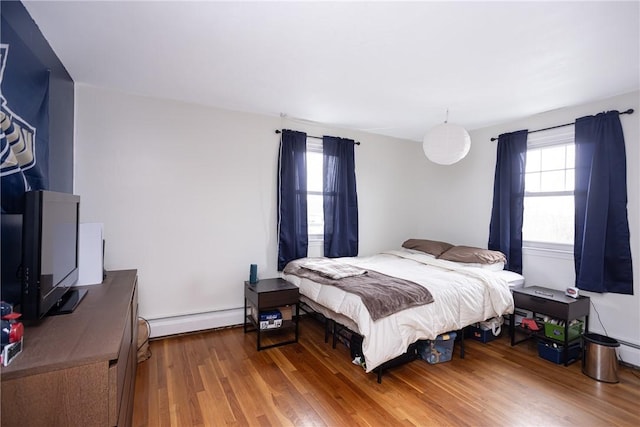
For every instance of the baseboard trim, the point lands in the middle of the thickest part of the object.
(195, 322)
(630, 355)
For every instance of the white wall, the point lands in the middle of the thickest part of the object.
(187, 195)
(460, 211)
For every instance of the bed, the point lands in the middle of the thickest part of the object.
(463, 293)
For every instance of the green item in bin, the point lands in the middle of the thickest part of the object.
(556, 332)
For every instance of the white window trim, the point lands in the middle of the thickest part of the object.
(555, 250)
(548, 193)
(548, 138)
(558, 136)
(315, 145)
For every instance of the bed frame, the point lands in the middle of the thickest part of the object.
(336, 331)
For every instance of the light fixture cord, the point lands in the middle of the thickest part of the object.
(447, 119)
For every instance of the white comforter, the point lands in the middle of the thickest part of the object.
(462, 296)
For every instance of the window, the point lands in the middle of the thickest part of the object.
(315, 213)
(549, 185)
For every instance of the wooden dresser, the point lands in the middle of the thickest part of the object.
(78, 369)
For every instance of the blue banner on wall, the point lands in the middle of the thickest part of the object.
(24, 121)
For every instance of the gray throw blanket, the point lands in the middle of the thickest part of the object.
(382, 295)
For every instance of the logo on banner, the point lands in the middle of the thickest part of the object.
(18, 137)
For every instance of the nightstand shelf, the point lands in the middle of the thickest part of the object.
(552, 303)
(268, 295)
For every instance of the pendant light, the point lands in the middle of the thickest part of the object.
(447, 143)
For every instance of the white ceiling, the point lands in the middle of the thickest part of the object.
(392, 68)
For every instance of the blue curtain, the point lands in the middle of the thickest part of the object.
(292, 197)
(602, 252)
(340, 200)
(505, 230)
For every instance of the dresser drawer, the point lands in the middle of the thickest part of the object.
(118, 372)
(541, 305)
(271, 293)
(279, 298)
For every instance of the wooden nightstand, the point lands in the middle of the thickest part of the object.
(268, 295)
(552, 303)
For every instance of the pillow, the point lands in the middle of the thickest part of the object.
(413, 251)
(432, 247)
(470, 254)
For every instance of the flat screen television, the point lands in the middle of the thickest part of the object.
(50, 258)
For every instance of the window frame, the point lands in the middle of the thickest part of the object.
(314, 145)
(549, 138)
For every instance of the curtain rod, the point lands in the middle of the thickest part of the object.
(317, 137)
(629, 111)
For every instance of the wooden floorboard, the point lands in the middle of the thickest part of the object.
(218, 378)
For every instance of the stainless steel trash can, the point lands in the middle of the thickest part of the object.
(599, 359)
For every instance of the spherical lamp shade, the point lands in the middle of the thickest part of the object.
(446, 144)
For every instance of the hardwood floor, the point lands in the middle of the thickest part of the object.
(218, 378)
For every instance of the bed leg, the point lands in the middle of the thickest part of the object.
(379, 372)
(461, 332)
(335, 336)
(327, 327)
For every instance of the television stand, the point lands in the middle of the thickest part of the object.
(78, 369)
(68, 302)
